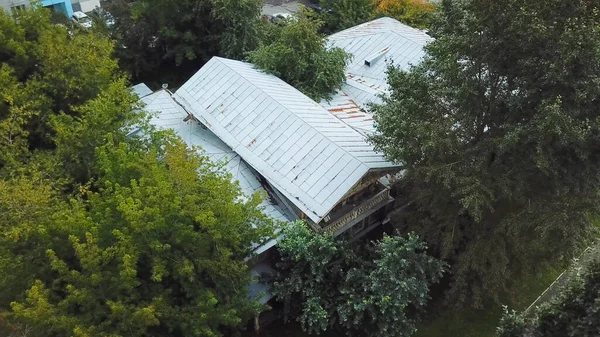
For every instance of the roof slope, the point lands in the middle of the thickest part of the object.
(380, 41)
(385, 37)
(141, 89)
(309, 155)
(167, 114)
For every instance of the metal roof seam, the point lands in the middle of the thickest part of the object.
(358, 134)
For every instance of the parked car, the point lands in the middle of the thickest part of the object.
(104, 15)
(281, 18)
(82, 19)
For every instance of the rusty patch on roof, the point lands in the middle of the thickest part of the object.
(252, 142)
(364, 82)
(347, 111)
(347, 107)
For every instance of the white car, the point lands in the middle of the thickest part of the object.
(82, 19)
(281, 17)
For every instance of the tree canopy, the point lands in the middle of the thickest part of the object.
(102, 233)
(298, 54)
(171, 39)
(498, 129)
(341, 14)
(50, 77)
(571, 313)
(153, 247)
(415, 13)
(361, 290)
(338, 15)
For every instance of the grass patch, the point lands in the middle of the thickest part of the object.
(483, 323)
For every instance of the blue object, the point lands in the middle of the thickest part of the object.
(63, 6)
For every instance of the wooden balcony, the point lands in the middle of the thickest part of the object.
(372, 204)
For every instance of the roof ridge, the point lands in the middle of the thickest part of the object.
(295, 115)
(356, 27)
(410, 38)
(390, 30)
(154, 96)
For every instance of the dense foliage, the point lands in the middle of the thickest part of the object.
(338, 15)
(341, 14)
(499, 131)
(298, 54)
(364, 291)
(171, 39)
(152, 248)
(49, 78)
(102, 234)
(572, 313)
(415, 13)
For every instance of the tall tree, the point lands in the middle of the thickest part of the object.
(573, 312)
(156, 246)
(47, 75)
(415, 13)
(363, 291)
(156, 36)
(341, 14)
(101, 234)
(499, 131)
(299, 55)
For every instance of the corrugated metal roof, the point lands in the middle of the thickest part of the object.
(309, 155)
(379, 42)
(167, 114)
(383, 25)
(392, 39)
(141, 89)
(350, 112)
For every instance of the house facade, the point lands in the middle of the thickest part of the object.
(309, 160)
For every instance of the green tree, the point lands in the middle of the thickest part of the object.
(363, 291)
(415, 13)
(498, 130)
(298, 54)
(137, 47)
(241, 26)
(571, 313)
(101, 234)
(156, 246)
(158, 37)
(47, 75)
(341, 14)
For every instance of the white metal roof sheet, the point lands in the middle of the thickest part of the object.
(309, 155)
(141, 89)
(167, 114)
(389, 41)
(383, 25)
(350, 112)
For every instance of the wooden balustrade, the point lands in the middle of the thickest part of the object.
(356, 212)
